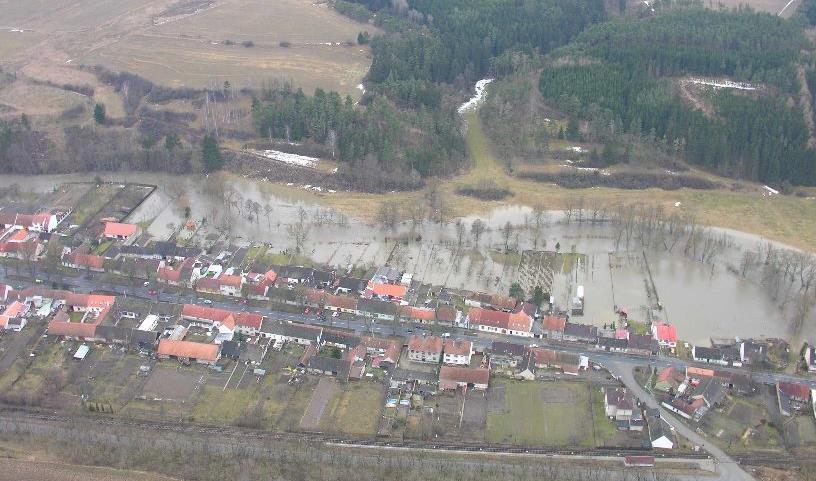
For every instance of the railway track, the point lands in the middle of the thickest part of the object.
(12, 415)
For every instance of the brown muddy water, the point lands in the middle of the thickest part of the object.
(703, 300)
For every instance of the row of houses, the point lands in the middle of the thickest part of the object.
(434, 349)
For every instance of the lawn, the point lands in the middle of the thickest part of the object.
(217, 406)
(355, 409)
(536, 413)
(729, 427)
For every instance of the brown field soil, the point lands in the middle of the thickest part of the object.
(186, 50)
(34, 470)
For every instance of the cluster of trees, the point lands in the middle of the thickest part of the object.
(381, 137)
(757, 136)
(739, 43)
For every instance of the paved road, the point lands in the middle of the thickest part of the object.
(480, 339)
(727, 467)
(620, 364)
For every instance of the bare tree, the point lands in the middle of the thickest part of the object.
(388, 213)
(477, 228)
(299, 231)
(507, 231)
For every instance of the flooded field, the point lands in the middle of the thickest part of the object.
(703, 299)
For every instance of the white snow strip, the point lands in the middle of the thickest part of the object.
(724, 84)
(474, 101)
(769, 189)
(287, 158)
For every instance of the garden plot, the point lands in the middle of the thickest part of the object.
(317, 404)
(171, 384)
(548, 414)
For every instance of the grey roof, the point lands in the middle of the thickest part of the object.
(581, 331)
(709, 353)
(295, 272)
(643, 341)
(393, 275)
(231, 349)
(612, 342)
(297, 331)
(347, 339)
(412, 375)
(338, 367)
(159, 249)
(508, 349)
(351, 283)
(322, 277)
(656, 426)
(376, 306)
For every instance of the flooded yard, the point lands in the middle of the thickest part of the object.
(703, 299)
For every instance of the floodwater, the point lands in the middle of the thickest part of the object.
(703, 301)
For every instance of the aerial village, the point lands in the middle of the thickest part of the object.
(114, 322)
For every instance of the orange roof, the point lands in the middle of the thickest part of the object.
(117, 229)
(425, 344)
(18, 236)
(543, 356)
(97, 301)
(188, 349)
(503, 302)
(464, 375)
(665, 332)
(516, 321)
(667, 374)
(229, 280)
(87, 260)
(459, 347)
(249, 319)
(420, 313)
(168, 274)
(343, 302)
(12, 310)
(554, 323)
(698, 371)
(200, 312)
(58, 327)
(391, 290)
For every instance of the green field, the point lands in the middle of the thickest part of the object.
(536, 413)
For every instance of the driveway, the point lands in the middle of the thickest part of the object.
(726, 467)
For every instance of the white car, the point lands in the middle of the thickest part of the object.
(335, 314)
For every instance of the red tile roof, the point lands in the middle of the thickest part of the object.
(446, 313)
(188, 349)
(503, 302)
(87, 260)
(554, 323)
(425, 343)
(468, 375)
(213, 314)
(795, 390)
(229, 280)
(418, 313)
(116, 229)
(342, 302)
(665, 332)
(458, 347)
(249, 319)
(208, 284)
(516, 321)
(392, 290)
(168, 274)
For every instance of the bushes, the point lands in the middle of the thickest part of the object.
(624, 180)
(485, 189)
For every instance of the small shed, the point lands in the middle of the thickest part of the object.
(82, 352)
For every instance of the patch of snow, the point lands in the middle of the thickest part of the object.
(677, 204)
(334, 170)
(724, 84)
(289, 184)
(332, 191)
(576, 148)
(770, 190)
(477, 98)
(287, 158)
(361, 88)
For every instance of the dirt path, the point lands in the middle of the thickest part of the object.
(317, 405)
(33, 470)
